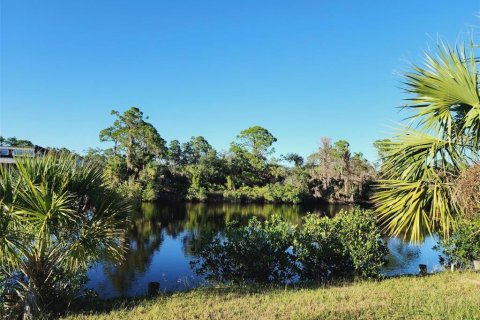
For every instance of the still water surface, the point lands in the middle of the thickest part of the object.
(162, 239)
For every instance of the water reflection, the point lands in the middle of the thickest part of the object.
(404, 257)
(142, 239)
(162, 240)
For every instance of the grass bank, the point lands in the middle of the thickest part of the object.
(441, 296)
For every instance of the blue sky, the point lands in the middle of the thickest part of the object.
(302, 69)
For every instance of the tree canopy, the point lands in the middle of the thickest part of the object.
(141, 164)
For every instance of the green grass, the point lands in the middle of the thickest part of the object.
(441, 296)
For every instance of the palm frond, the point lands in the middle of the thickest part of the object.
(58, 209)
(444, 87)
(414, 198)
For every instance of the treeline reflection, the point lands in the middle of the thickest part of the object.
(187, 223)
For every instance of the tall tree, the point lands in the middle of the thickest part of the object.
(110, 134)
(325, 156)
(323, 165)
(342, 151)
(138, 139)
(256, 140)
(295, 158)
(249, 155)
(195, 149)
(175, 152)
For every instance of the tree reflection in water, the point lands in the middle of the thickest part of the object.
(187, 223)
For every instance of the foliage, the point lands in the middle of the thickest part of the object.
(137, 139)
(295, 158)
(338, 176)
(175, 153)
(363, 241)
(345, 246)
(141, 166)
(57, 215)
(319, 249)
(249, 155)
(244, 169)
(349, 244)
(256, 253)
(273, 193)
(414, 197)
(3, 290)
(463, 245)
(196, 194)
(245, 194)
(194, 150)
(382, 150)
(14, 142)
(257, 141)
(283, 193)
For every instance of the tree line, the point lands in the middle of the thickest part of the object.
(144, 166)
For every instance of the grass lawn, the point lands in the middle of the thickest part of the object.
(442, 296)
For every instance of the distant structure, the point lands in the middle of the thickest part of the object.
(8, 154)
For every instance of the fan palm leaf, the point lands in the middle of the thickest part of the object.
(57, 214)
(414, 198)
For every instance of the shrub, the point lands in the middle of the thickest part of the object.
(283, 193)
(131, 189)
(274, 193)
(463, 245)
(256, 253)
(149, 193)
(245, 194)
(349, 245)
(362, 240)
(196, 194)
(319, 249)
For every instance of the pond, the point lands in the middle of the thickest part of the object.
(162, 240)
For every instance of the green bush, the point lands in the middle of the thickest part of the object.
(349, 245)
(196, 194)
(463, 245)
(149, 193)
(131, 189)
(256, 253)
(319, 249)
(283, 193)
(362, 240)
(245, 194)
(273, 193)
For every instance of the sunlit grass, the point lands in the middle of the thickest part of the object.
(442, 296)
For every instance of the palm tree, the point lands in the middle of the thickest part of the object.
(414, 197)
(57, 215)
